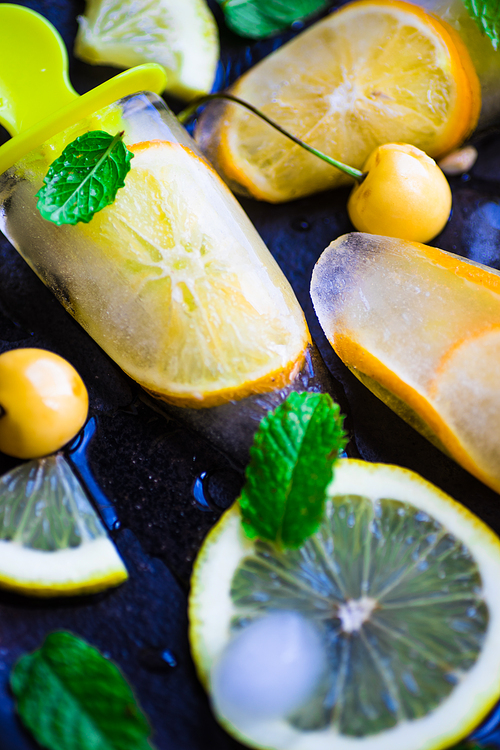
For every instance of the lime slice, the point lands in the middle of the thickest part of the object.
(180, 35)
(52, 542)
(401, 583)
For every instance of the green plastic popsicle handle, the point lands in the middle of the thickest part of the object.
(37, 101)
(34, 79)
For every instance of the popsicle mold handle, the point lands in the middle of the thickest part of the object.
(34, 79)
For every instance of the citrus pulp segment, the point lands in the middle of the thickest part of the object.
(52, 542)
(374, 72)
(420, 327)
(401, 583)
(181, 36)
(194, 307)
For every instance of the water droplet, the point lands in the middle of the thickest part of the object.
(201, 493)
(351, 520)
(116, 525)
(421, 516)
(410, 683)
(301, 225)
(390, 702)
(471, 612)
(260, 596)
(423, 565)
(157, 659)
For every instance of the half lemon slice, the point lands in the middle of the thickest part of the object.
(401, 584)
(52, 542)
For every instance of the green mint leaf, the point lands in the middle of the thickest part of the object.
(486, 13)
(258, 19)
(85, 178)
(290, 468)
(72, 698)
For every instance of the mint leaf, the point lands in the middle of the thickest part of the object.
(290, 468)
(486, 13)
(261, 18)
(85, 178)
(72, 698)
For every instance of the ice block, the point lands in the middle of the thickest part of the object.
(420, 327)
(172, 279)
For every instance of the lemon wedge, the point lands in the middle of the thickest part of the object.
(180, 35)
(373, 72)
(52, 542)
(400, 583)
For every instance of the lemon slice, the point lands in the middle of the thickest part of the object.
(187, 280)
(373, 72)
(181, 35)
(401, 583)
(52, 542)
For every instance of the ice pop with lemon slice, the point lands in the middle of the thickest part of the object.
(420, 327)
(373, 72)
(171, 279)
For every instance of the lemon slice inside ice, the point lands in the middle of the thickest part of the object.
(401, 583)
(52, 542)
(180, 35)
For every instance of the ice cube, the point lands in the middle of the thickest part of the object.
(269, 669)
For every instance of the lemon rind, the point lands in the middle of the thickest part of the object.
(91, 567)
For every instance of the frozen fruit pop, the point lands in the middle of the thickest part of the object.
(171, 279)
(420, 327)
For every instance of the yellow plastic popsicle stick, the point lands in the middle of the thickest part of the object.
(37, 100)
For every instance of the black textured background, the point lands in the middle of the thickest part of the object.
(141, 468)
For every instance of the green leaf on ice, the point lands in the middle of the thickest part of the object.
(486, 13)
(72, 698)
(290, 468)
(85, 178)
(258, 19)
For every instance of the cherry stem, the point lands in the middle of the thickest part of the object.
(191, 109)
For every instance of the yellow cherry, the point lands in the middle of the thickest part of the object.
(404, 194)
(43, 402)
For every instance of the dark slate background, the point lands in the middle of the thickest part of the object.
(160, 487)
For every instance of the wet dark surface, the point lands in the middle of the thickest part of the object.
(159, 486)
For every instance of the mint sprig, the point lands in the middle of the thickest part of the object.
(290, 468)
(486, 13)
(85, 178)
(258, 19)
(72, 698)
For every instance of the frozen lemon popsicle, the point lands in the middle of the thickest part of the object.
(171, 278)
(420, 327)
(367, 74)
